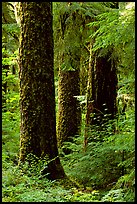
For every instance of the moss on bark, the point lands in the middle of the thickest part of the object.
(37, 93)
(69, 114)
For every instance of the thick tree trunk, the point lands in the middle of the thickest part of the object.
(37, 93)
(69, 114)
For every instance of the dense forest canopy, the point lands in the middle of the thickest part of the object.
(68, 101)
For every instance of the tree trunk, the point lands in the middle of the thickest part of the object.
(101, 90)
(105, 85)
(37, 93)
(4, 87)
(101, 93)
(89, 100)
(69, 114)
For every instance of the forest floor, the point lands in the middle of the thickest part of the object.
(92, 176)
(17, 188)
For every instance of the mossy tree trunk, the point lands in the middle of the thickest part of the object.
(69, 114)
(37, 93)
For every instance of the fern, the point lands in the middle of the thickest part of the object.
(117, 30)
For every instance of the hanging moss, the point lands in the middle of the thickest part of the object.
(69, 114)
(37, 93)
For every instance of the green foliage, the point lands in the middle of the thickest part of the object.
(67, 43)
(26, 185)
(70, 31)
(108, 164)
(10, 131)
(114, 196)
(10, 114)
(100, 166)
(116, 29)
(7, 13)
(10, 29)
(105, 172)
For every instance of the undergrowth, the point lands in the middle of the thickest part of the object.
(108, 166)
(105, 172)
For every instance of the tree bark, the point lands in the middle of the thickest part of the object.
(101, 93)
(69, 114)
(37, 92)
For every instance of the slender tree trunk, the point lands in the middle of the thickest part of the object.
(89, 105)
(37, 92)
(4, 87)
